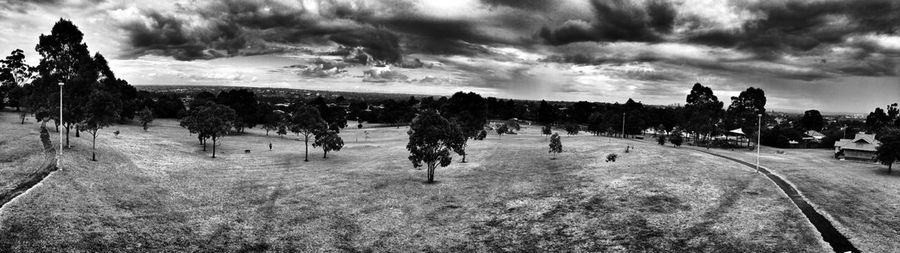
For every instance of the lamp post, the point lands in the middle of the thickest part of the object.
(59, 153)
(758, 138)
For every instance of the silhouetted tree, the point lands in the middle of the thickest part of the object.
(244, 103)
(210, 120)
(703, 110)
(812, 120)
(745, 108)
(572, 128)
(431, 139)
(676, 138)
(546, 130)
(468, 112)
(889, 151)
(307, 122)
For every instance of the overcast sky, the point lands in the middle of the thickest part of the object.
(838, 56)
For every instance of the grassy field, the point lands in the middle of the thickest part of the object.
(22, 161)
(157, 191)
(859, 197)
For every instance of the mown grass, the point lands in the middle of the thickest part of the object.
(859, 197)
(22, 160)
(157, 191)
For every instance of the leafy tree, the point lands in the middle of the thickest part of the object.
(676, 138)
(145, 116)
(502, 129)
(168, 106)
(595, 123)
(744, 109)
(270, 118)
(547, 113)
(880, 118)
(431, 138)
(244, 103)
(555, 145)
(329, 141)
(661, 139)
(481, 135)
(210, 121)
(306, 121)
(703, 110)
(101, 110)
(14, 73)
(468, 111)
(580, 111)
(572, 128)
(889, 151)
(812, 120)
(546, 130)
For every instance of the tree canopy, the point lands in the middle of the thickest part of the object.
(431, 139)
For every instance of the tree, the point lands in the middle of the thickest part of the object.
(209, 121)
(431, 139)
(145, 116)
(14, 73)
(101, 110)
(546, 130)
(880, 118)
(661, 139)
(595, 123)
(307, 121)
(547, 113)
(270, 118)
(244, 103)
(889, 151)
(168, 107)
(502, 129)
(812, 120)
(572, 128)
(555, 145)
(481, 135)
(329, 141)
(744, 109)
(676, 138)
(703, 110)
(469, 112)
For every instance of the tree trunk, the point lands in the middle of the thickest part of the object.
(214, 146)
(889, 167)
(77, 133)
(306, 156)
(67, 136)
(94, 148)
(325, 155)
(464, 158)
(431, 172)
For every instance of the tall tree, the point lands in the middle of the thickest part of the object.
(145, 116)
(101, 110)
(703, 110)
(14, 73)
(216, 121)
(595, 123)
(64, 58)
(889, 151)
(307, 121)
(812, 120)
(431, 139)
(468, 111)
(744, 109)
(329, 140)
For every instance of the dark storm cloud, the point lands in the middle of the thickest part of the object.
(796, 27)
(616, 20)
(522, 4)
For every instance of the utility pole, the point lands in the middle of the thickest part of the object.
(758, 138)
(623, 125)
(59, 152)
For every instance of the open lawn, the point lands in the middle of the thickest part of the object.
(158, 191)
(22, 160)
(860, 198)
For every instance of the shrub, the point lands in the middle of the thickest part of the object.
(661, 139)
(611, 157)
(676, 139)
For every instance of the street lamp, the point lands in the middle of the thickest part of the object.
(59, 153)
(758, 138)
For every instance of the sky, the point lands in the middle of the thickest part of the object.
(834, 56)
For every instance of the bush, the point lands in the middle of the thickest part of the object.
(611, 157)
(661, 139)
(676, 139)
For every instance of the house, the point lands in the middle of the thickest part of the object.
(862, 146)
(813, 136)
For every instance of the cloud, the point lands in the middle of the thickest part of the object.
(617, 20)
